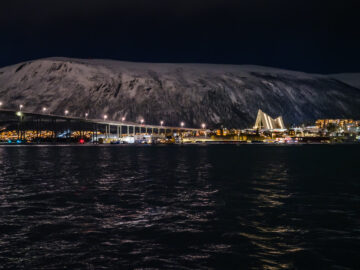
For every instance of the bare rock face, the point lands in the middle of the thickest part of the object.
(194, 93)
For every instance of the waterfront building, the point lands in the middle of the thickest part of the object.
(323, 123)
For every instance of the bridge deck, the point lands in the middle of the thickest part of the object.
(101, 121)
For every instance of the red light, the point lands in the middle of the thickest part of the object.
(82, 141)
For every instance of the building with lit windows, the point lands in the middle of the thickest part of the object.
(322, 123)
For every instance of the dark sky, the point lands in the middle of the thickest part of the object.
(313, 36)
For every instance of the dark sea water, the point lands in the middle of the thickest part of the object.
(180, 207)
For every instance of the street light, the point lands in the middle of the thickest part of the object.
(66, 112)
(86, 115)
(142, 121)
(105, 117)
(1, 103)
(123, 119)
(161, 123)
(21, 106)
(44, 109)
(182, 124)
(203, 125)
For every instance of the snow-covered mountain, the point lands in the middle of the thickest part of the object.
(194, 93)
(352, 79)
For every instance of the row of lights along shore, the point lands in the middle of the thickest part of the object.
(66, 112)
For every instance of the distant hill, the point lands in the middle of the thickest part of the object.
(225, 95)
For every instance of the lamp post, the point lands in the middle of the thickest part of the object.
(20, 106)
(44, 109)
(159, 129)
(123, 119)
(142, 121)
(86, 115)
(68, 135)
(182, 124)
(203, 126)
(106, 127)
(20, 132)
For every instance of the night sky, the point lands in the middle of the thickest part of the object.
(312, 36)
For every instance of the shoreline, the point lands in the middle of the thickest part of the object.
(172, 145)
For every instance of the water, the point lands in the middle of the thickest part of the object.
(180, 207)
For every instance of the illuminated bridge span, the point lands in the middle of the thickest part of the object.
(57, 124)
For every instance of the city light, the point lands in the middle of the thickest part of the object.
(1, 103)
(66, 112)
(142, 121)
(21, 106)
(105, 117)
(123, 119)
(86, 115)
(44, 109)
(182, 124)
(161, 123)
(203, 125)
(19, 114)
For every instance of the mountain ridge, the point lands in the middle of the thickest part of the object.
(227, 95)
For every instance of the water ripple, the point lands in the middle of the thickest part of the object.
(181, 207)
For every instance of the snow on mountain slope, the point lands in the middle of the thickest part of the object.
(194, 93)
(352, 79)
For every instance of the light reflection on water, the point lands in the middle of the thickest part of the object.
(184, 207)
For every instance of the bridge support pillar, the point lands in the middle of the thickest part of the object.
(107, 131)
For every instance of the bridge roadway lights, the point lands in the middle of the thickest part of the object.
(98, 126)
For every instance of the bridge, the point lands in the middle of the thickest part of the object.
(21, 121)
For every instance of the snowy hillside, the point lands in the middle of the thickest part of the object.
(194, 93)
(352, 79)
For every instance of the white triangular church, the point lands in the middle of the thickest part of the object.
(264, 121)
